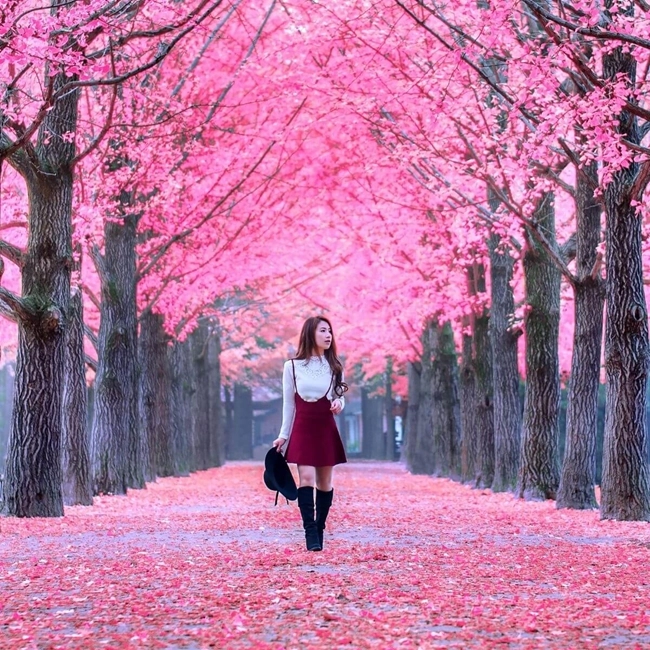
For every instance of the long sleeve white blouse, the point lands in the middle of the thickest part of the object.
(313, 376)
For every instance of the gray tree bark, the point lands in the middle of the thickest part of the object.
(446, 405)
(241, 440)
(116, 447)
(505, 372)
(33, 471)
(625, 488)
(200, 397)
(389, 444)
(413, 370)
(421, 460)
(228, 408)
(539, 468)
(217, 437)
(484, 399)
(467, 385)
(181, 400)
(373, 442)
(578, 475)
(75, 448)
(155, 397)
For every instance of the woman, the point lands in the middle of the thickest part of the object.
(313, 387)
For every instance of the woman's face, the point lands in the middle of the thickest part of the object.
(323, 337)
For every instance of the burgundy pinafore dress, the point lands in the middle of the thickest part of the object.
(314, 438)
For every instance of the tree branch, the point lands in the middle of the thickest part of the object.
(211, 213)
(16, 304)
(107, 124)
(92, 363)
(163, 50)
(102, 269)
(93, 298)
(91, 336)
(12, 253)
(641, 181)
(598, 263)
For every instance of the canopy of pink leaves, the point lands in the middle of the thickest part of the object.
(296, 157)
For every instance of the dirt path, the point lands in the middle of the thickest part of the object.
(409, 562)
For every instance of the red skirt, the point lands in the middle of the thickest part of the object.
(314, 439)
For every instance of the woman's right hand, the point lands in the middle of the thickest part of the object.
(278, 443)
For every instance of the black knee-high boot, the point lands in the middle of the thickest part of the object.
(306, 505)
(323, 505)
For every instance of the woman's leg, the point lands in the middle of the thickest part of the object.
(324, 495)
(307, 478)
(323, 478)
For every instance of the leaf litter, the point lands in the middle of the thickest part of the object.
(207, 561)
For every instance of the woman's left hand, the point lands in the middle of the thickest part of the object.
(336, 407)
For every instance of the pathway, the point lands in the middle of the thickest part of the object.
(409, 562)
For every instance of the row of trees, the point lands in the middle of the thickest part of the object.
(406, 167)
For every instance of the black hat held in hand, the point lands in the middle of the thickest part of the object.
(278, 476)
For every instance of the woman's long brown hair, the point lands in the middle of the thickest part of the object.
(307, 347)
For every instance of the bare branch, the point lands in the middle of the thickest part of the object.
(152, 33)
(13, 224)
(598, 263)
(16, 157)
(100, 264)
(538, 9)
(573, 157)
(163, 50)
(8, 313)
(93, 298)
(91, 336)
(107, 124)
(16, 304)
(13, 253)
(641, 181)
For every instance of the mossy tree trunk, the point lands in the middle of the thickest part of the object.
(33, 470)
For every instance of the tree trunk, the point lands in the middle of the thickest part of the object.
(201, 397)
(421, 461)
(625, 489)
(579, 465)
(446, 406)
(33, 479)
(482, 364)
(181, 399)
(241, 442)
(229, 432)
(75, 452)
(373, 442)
(388, 409)
(467, 381)
(505, 373)
(217, 443)
(539, 471)
(116, 448)
(413, 370)
(155, 392)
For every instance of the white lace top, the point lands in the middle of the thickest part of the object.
(313, 376)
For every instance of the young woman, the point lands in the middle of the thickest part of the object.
(313, 387)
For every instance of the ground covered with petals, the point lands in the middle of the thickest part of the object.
(409, 562)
